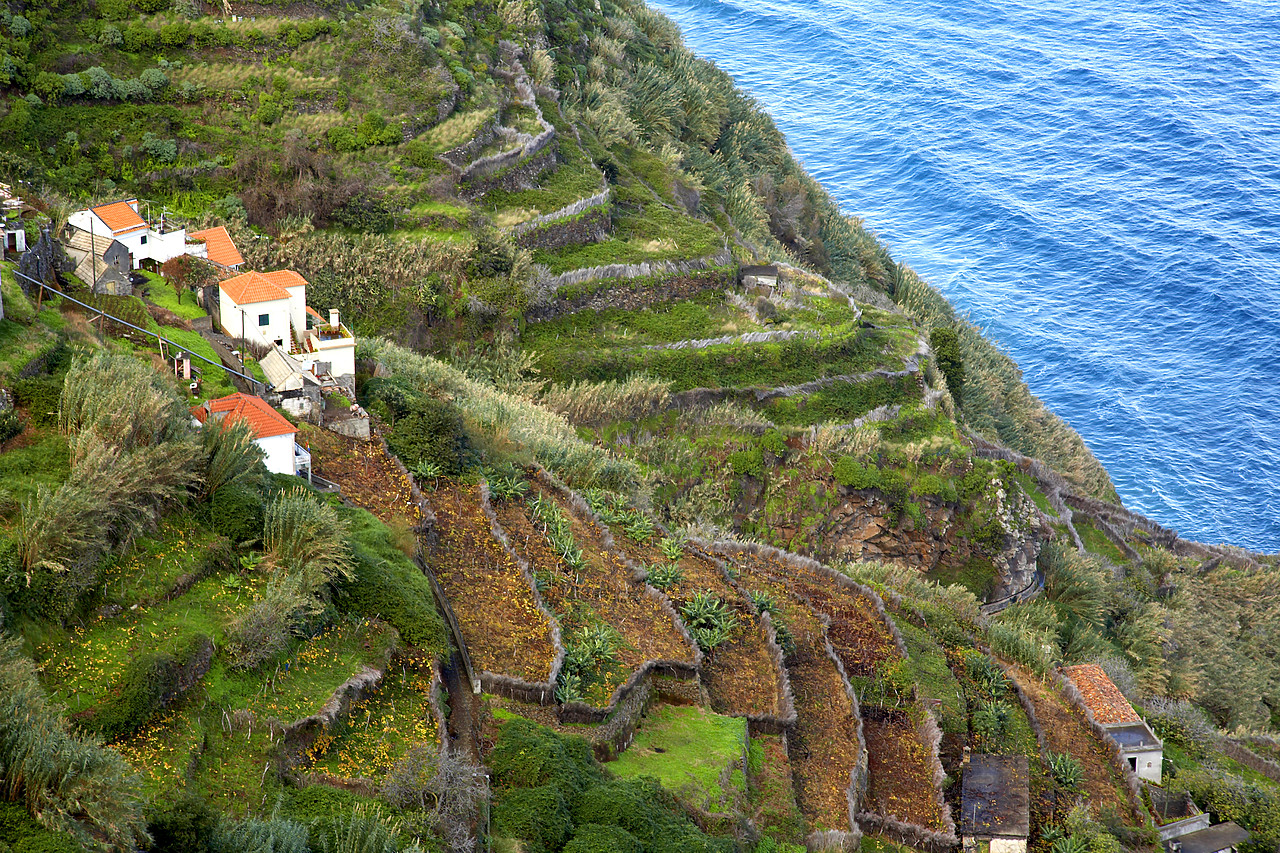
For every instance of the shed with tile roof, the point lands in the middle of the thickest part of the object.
(1137, 743)
(271, 430)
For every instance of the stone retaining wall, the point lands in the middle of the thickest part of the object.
(590, 226)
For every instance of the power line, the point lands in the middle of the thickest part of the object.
(157, 335)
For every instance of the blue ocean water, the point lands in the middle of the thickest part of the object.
(1096, 183)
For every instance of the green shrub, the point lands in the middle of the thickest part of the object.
(21, 832)
(235, 511)
(149, 682)
(709, 619)
(183, 823)
(528, 755)
(10, 425)
(537, 816)
(40, 396)
(853, 474)
(387, 585)
(747, 463)
(773, 442)
(595, 838)
(433, 433)
(665, 576)
(1067, 772)
(945, 343)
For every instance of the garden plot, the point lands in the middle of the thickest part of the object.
(610, 625)
(900, 775)
(738, 669)
(691, 751)
(224, 732)
(83, 667)
(380, 728)
(368, 475)
(900, 778)
(505, 632)
(824, 746)
(773, 796)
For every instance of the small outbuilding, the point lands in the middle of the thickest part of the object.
(995, 804)
(763, 277)
(1138, 745)
(1223, 838)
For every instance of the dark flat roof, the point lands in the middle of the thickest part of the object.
(1213, 839)
(1133, 735)
(769, 270)
(996, 799)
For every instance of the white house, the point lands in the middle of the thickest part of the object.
(270, 309)
(271, 431)
(122, 221)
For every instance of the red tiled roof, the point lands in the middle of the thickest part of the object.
(1101, 695)
(263, 420)
(120, 217)
(221, 250)
(314, 313)
(285, 278)
(253, 287)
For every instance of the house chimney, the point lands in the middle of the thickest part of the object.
(333, 318)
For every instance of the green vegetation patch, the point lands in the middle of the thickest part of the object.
(655, 234)
(843, 401)
(927, 666)
(687, 747)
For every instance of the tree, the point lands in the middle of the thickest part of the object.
(186, 271)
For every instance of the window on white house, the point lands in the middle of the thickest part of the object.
(264, 319)
(143, 241)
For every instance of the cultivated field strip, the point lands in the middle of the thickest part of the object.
(505, 630)
(826, 749)
(739, 673)
(905, 772)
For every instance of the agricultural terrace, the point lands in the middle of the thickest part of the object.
(611, 627)
(737, 670)
(368, 476)
(1068, 732)
(505, 631)
(825, 746)
(900, 778)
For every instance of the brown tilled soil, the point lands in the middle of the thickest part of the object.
(368, 476)
(824, 745)
(1066, 730)
(604, 588)
(505, 632)
(900, 782)
(739, 675)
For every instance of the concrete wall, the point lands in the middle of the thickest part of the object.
(1148, 763)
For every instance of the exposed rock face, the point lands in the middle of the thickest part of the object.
(864, 527)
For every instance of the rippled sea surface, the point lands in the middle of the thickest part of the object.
(1097, 184)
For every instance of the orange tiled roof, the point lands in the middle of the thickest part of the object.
(1101, 695)
(285, 278)
(219, 246)
(253, 287)
(120, 217)
(263, 420)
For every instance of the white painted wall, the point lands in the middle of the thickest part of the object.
(279, 453)
(298, 309)
(1149, 763)
(1008, 845)
(277, 311)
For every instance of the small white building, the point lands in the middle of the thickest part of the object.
(1138, 745)
(216, 246)
(271, 431)
(270, 309)
(122, 221)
